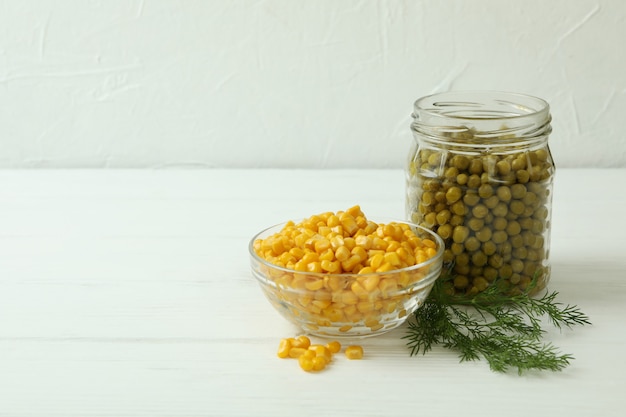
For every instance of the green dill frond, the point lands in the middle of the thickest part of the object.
(504, 330)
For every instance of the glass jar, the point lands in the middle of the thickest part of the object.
(480, 175)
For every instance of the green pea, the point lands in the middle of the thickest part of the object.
(475, 224)
(480, 283)
(526, 223)
(499, 223)
(519, 163)
(457, 248)
(513, 228)
(453, 195)
(489, 248)
(512, 216)
(491, 202)
(503, 167)
(505, 271)
(504, 193)
(496, 261)
(471, 199)
(476, 166)
(517, 241)
(430, 219)
(451, 173)
(461, 282)
(499, 236)
(517, 265)
(517, 207)
(472, 244)
(456, 220)
(462, 179)
(524, 282)
(542, 155)
(435, 159)
(500, 210)
(480, 211)
(530, 199)
(515, 278)
(522, 176)
(461, 162)
(485, 191)
(431, 185)
(460, 234)
(530, 268)
(458, 208)
(518, 191)
(505, 249)
(445, 231)
(520, 253)
(541, 213)
(529, 238)
(443, 217)
(483, 234)
(473, 181)
(490, 273)
(535, 173)
(428, 198)
(463, 259)
(479, 259)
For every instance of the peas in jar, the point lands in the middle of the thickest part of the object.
(480, 174)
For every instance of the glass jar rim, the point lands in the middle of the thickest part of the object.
(469, 117)
(481, 104)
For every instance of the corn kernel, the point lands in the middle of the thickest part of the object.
(322, 351)
(334, 346)
(354, 352)
(342, 253)
(295, 352)
(306, 363)
(314, 285)
(333, 221)
(283, 348)
(327, 255)
(330, 266)
(321, 245)
(319, 363)
(301, 342)
(360, 252)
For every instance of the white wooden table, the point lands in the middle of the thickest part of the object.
(128, 293)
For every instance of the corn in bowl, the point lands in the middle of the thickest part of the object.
(341, 274)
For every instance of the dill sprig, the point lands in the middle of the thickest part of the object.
(504, 330)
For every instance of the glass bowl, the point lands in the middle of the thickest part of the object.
(347, 305)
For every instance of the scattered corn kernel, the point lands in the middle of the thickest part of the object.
(354, 352)
(296, 352)
(283, 348)
(333, 346)
(302, 342)
(314, 357)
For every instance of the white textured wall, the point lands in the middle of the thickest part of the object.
(286, 83)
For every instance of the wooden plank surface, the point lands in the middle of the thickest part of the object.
(128, 293)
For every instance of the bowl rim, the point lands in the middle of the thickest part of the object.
(438, 258)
